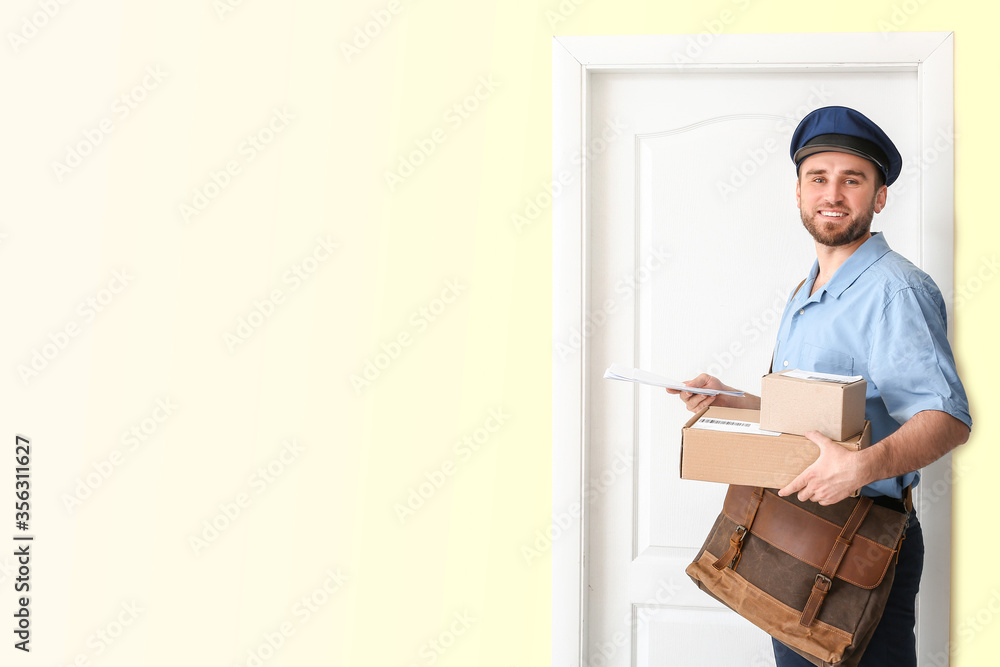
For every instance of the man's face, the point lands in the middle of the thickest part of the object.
(837, 197)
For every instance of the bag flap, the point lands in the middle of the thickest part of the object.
(810, 538)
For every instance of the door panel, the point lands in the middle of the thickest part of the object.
(695, 243)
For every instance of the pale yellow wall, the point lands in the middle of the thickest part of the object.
(440, 239)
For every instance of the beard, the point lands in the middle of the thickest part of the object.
(834, 234)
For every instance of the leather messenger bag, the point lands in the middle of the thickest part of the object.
(814, 577)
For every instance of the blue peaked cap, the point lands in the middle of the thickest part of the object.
(845, 130)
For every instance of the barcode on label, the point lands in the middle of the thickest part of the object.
(725, 422)
(731, 425)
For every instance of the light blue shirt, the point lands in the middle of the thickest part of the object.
(880, 317)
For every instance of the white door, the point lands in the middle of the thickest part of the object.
(692, 244)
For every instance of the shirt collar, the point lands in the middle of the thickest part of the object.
(867, 254)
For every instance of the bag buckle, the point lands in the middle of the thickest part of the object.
(736, 542)
(822, 579)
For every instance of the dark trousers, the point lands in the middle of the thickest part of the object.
(893, 642)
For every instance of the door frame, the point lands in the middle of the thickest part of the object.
(931, 55)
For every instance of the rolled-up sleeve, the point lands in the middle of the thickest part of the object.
(911, 361)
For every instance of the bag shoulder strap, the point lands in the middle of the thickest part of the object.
(771, 365)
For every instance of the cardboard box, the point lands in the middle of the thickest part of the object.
(771, 461)
(794, 405)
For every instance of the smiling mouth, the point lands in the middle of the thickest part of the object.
(833, 214)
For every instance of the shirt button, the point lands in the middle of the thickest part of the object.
(802, 312)
(784, 363)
